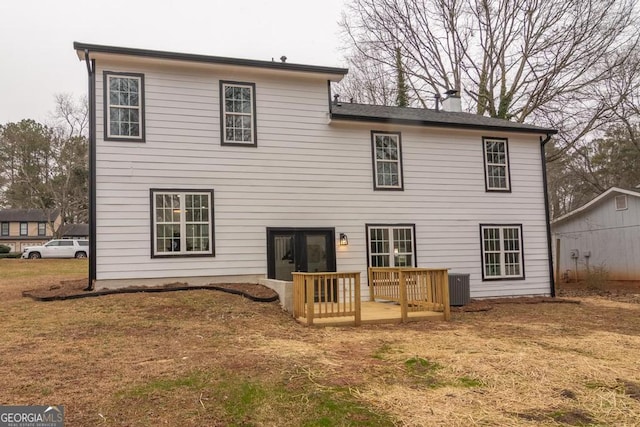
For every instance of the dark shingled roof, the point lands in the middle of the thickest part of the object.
(27, 215)
(426, 117)
(176, 56)
(74, 230)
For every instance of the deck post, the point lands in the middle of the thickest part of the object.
(445, 294)
(309, 288)
(403, 297)
(358, 305)
(370, 276)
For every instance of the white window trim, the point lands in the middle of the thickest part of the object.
(621, 197)
(374, 153)
(183, 224)
(107, 106)
(506, 166)
(502, 252)
(391, 254)
(223, 107)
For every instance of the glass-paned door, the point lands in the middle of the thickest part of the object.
(300, 249)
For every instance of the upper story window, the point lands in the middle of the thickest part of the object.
(182, 223)
(502, 251)
(496, 164)
(391, 245)
(124, 106)
(387, 161)
(4, 229)
(621, 202)
(238, 113)
(24, 229)
(42, 229)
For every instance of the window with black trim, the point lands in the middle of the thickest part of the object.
(42, 229)
(387, 161)
(24, 229)
(502, 256)
(4, 229)
(496, 164)
(391, 245)
(124, 106)
(238, 113)
(182, 223)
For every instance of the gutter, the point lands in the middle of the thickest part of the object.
(552, 282)
(436, 123)
(91, 71)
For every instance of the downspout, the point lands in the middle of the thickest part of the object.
(91, 70)
(547, 215)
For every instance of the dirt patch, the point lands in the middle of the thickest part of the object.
(72, 289)
(614, 290)
(476, 305)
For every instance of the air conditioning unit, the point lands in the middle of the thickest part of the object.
(459, 289)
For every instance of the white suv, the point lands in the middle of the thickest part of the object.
(59, 248)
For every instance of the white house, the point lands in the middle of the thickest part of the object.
(208, 169)
(602, 234)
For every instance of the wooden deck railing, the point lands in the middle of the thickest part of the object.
(415, 289)
(319, 295)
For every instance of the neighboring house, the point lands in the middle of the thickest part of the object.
(602, 234)
(74, 231)
(21, 228)
(211, 169)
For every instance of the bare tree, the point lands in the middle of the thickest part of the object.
(516, 59)
(368, 82)
(46, 167)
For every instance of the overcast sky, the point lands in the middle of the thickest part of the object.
(37, 59)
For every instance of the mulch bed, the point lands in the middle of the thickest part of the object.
(73, 289)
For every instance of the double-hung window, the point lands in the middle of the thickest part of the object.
(496, 164)
(124, 106)
(387, 161)
(502, 256)
(24, 228)
(238, 113)
(4, 229)
(182, 223)
(42, 229)
(391, 245)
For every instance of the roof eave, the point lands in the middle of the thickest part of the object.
(187, 57)
(594, 202)
(434, 123)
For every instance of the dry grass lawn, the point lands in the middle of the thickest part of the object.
(207, 358)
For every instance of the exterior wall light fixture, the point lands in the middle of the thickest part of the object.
(344, 241)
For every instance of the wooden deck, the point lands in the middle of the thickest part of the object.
(374, 313)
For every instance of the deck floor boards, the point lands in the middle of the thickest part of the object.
(374, 312)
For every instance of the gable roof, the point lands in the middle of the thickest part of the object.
(188, 57)
(427, 117)
(28, 215)
(74, 230)
(613, 191)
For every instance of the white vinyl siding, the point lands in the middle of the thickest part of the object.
(502, 251)
(496, 164)
(124, 101)
(306, 172)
